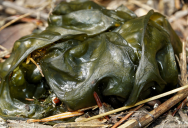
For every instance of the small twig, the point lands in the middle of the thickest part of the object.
(52, 4)
(33, 20)
(28, 99)
(177, 4)
(7, 56)
(157, 112)
(84, 109)
(57, 117)
(40, 70)
(138, 3)
(28, 59)
(148, 8)
(5, 52)
(3, 48)
(178, 60)
(183, 69)
(82, 125)
(178, 15)
(12, 21)
(180, 106)
(23, 10)
(61, 116)
(99, 103)
(183, 64)
(31, 12)
(138, 103)
(127, 116)
(154, 103)
(180, 81)
(161, 6)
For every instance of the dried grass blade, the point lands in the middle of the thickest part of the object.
(81, 125)
(84, 109)
(3, 48)
(138, 103)
(127, 116)
(57, 117)
(183, 64)
(145, 120)
(99, 103)
(22, 16)
(13, 21)
(62, 115)
(4, 52)
(40, 70)
(28, 59)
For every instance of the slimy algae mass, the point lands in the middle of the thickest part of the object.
(87, 48)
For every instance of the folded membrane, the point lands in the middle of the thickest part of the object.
(88, 48)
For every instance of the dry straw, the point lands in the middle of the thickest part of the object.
(138, 103)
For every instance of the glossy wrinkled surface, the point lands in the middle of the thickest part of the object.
(86, 48)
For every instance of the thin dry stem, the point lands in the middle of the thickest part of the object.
(40, 70)
(22, 16)
(3, 48)
(138, 3)
(13, 21)
(138, 103)
(143, 121)
(180, 106)
(127, 116)
(57, 117)
(4, 52)
(28, 59)
(178, 60)
(84, 109)
(62, 115)
(184, 64)
(23, 10)
(28, 99)
(178, 15)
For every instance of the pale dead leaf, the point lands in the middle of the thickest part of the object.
(140, 12)
(9, 35)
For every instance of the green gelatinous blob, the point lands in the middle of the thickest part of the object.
(31, 73)
(87, 48)
(17, 78)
